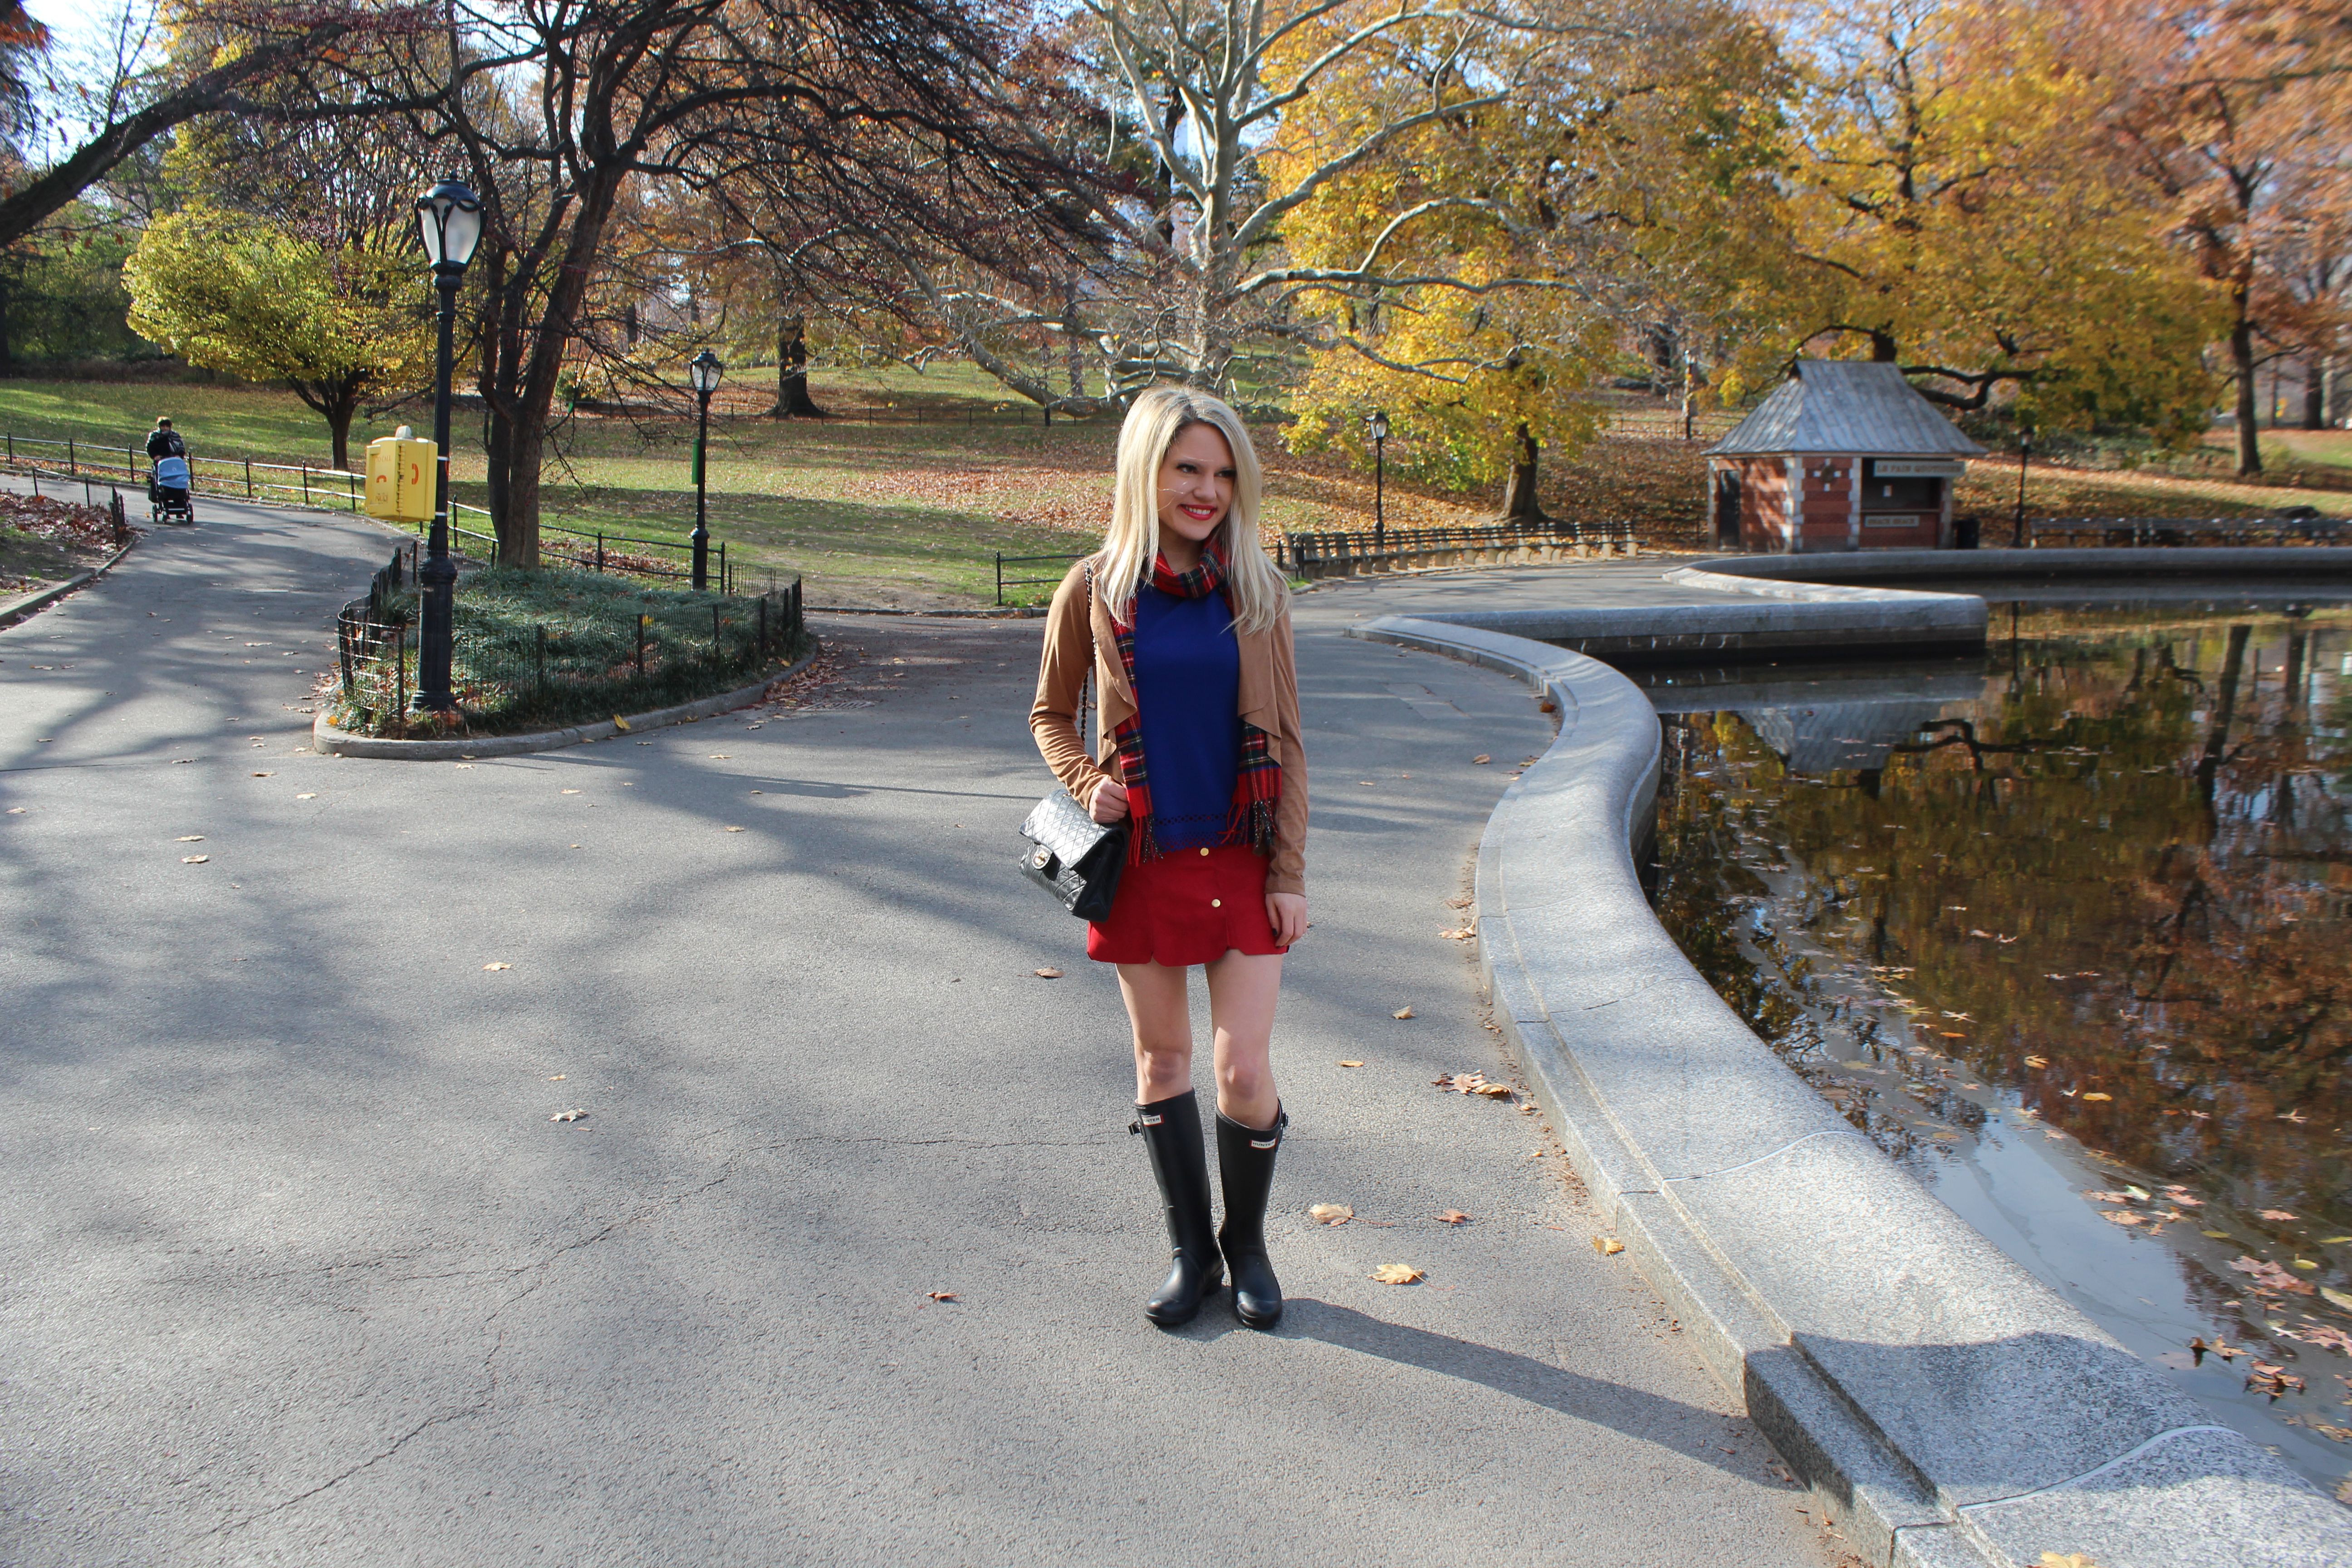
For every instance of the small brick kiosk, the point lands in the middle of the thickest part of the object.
(1844, 454)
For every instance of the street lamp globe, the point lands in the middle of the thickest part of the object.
(1379, 426)
(705, 369)
(450, 215)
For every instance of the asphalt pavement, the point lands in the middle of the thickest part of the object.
(844, 1262)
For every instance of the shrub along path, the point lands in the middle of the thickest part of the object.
(300, 1268)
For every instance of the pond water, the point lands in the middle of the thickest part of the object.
(2067, 931)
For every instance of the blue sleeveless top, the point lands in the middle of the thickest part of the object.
(1188, 678)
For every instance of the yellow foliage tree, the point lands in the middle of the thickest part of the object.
(1483, 273)
(230, 291)
(1952, 203)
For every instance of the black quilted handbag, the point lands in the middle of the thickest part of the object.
(1073, 857)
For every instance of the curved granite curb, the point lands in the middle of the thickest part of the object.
(328, 738)
(1947, 1407)
(1749, 619)
(1863, 571)
(17, 609)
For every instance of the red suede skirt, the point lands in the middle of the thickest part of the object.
(1189, 906)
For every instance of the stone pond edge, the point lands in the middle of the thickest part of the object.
(330, 739)
(1583, 812)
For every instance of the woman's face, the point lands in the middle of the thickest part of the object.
(1196, 484)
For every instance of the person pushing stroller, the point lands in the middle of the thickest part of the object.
(167, 486)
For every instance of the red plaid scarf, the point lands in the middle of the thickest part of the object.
(1258, 781)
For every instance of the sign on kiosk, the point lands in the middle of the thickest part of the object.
(401, 472)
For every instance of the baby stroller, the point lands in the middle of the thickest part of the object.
(167, 491)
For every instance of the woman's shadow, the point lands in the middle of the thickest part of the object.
(1687, 1429)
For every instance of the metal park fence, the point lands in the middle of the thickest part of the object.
(2303, 529)
(1319, 554)
(517, 677)
(1018, 562)
(280, 484)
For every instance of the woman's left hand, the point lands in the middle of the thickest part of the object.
(1287, 912)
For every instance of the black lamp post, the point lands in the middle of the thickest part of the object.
(450, 217)
(2024, 455)
(705, 370)
(1379, 423)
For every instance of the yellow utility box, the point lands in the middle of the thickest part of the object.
(401, 474)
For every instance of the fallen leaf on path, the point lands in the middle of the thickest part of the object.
(557, 1077)
(1349, 1064)
(1398, 1274)
(1402, 1012)
(2217, 1234)
(2095, 1095)
(2123, 1216)
(1481, 759)
(1462, 934)
(15, 811)
(1607, 1245)
(1547, 706)
(2336, 1298)
(569, 1116)
(497, 967)
(941, 1295)
(620, 723)
(2071, 1560)
(189, 839)
(313, 795)
(193, 859)
(265, 775)
(1453, 1216)
(1330, 1214)
(1457, 903)
(734, 830)
(567, 792)
(719, 757)
(1047, 973)
(2274, 1213)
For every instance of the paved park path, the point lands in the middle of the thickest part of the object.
(297, 1268)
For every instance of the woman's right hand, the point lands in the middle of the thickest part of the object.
(1109, 804)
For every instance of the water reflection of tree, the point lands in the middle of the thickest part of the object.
(2176, 852)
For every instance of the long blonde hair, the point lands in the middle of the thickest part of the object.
(1253, 586)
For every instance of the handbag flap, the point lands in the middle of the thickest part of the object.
(1062, 826)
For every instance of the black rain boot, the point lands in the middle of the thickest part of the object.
(1245, 1161)
(1171, 1136)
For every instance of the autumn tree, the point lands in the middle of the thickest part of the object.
(336, 323)
(1952, 205)
(260, 60)
(556, 114)
(1482, 271)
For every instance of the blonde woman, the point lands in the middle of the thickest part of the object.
(1185, 626)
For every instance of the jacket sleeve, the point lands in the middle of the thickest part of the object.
(1062, 670)
(1288, 872)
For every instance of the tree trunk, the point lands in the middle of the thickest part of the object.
(339, 426)
(1519, 502)
(2241, 361)
(793, 400)
(2315, 392)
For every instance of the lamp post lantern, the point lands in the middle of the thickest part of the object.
(1379, 424)
(449, 217)
(705, 370)
(2024, 455)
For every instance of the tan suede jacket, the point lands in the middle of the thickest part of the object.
(1079, 640)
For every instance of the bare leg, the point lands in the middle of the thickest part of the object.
(1162, 1016)
(1243, 991)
